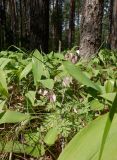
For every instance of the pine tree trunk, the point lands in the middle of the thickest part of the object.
(56, 24)
(91, 27)
(113, 24)
(71, 23)
(39, 24)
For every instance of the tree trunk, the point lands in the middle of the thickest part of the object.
(113, 24)
(39, 24)
(71, 23)
(56, 21)
(3, 24)
(24, 23)
(91, 27)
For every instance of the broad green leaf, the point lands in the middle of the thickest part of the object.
(108, 125)
(59, 55)
(48, 83)
(51, 136)
(4, 62)
(79, 76)
(37, 66)
(31, 96)
(33, 139)
(26, 70)
(13, 117)
(109, 96)
(86, 144)
(16, 147)
(3, 83)
(96, 105)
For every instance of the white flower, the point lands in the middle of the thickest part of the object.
(78, 52)
(45, 92)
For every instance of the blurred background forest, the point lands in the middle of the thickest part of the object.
(51, 25)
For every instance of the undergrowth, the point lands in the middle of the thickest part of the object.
(46, 99)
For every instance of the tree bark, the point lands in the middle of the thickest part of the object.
(91, 27)
(56, 20)
(113, 24)
(71, 23)
(39, 24)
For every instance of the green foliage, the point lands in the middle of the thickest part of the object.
(44, 98)
(79, 76)
(12, 117)
(108, 125)
(51, 136)
(86, 144)
(3, 84)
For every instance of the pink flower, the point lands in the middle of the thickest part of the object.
(71, 57)
(66, 81)
(52, 97)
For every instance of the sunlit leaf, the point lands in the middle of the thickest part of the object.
(86, 144)
(96, 105)
(4, 62)
(51, 136)
(109, 96)
(109, 86)
(13, 117)
(3, 83)
(108, 125)
(79, 76)
(26, 70)
(37, 66)
(48, 83)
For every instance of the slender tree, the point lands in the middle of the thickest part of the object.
(113, 24)
(71, 23)
(24, 23)
(56, 20)
(91, 27)
(2, 12)
(39, 24)
(2, 23)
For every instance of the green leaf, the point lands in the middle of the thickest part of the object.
(79, 76)
(37, 66)
(108, 125)
(96, 105)
(59, 56)
(4, 62)
(48, 83)
(3, 84)
(109, 96)
(51, 136)
(2, 105)
(31, 96)
(86, 144)
(13, 117)
(100, 54)
(16, 147)
(26, 70)
(109, 86)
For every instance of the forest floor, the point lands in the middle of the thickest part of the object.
(46, 99)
